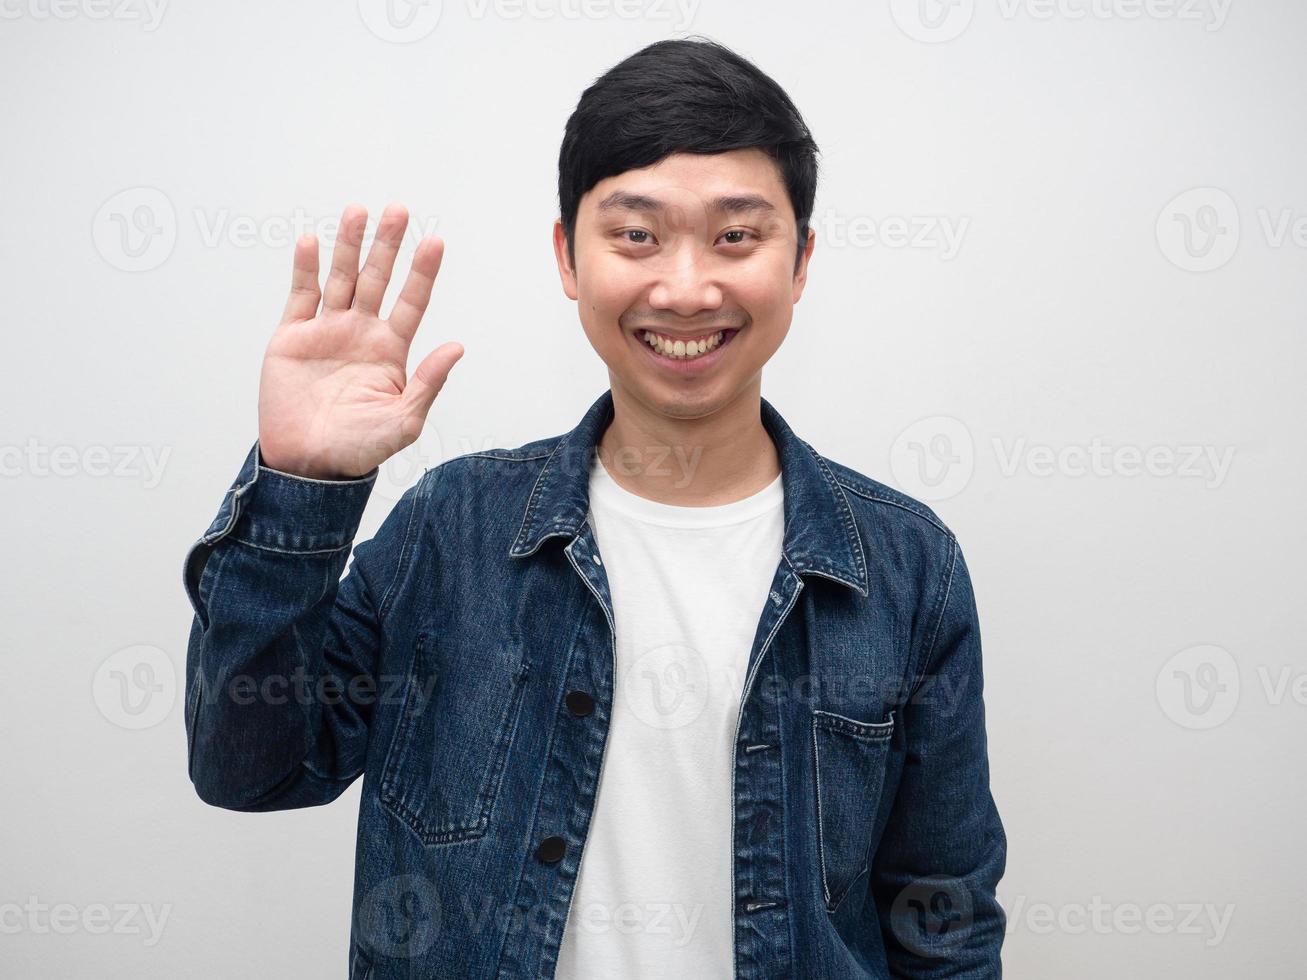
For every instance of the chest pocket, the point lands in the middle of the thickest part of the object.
(849, 763)
(446, 759)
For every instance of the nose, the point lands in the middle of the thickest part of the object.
(686, 282)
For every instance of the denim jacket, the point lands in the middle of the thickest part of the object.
(463, 666)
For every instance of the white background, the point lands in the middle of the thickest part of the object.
(1072, 312)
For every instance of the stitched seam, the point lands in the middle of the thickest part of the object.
(528, 516)
(303, 658)
(289, 551)
(798, 589)
(783, 835)
(199, 667)
(383, 608)
(365, 478)
(490, 454)
(451, 832)
(393, 760)
(846, 514)
(816, 752)
(390, 793)
(877, 498)
(324, 777)
(821, 846)
(566, 669)
(506, 734)
(206, 595)
(880, 730)
(946, 594)
(430, 836)
(790, 920)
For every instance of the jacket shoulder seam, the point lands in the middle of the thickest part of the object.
(879, 498)
(947, 594)
(506, 456)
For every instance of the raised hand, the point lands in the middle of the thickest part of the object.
(333, 400)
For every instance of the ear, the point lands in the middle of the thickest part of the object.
(565, 271)
(801, 274)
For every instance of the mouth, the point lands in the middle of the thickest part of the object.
(686, 354)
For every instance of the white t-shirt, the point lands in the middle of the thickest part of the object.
(688, 585)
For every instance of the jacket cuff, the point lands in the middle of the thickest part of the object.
(280, 511)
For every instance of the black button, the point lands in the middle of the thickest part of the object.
(579, 703)
(551, 849)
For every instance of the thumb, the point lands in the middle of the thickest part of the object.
(429, 378)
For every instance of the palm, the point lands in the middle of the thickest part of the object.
(333, 399)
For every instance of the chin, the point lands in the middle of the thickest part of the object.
(690, 402)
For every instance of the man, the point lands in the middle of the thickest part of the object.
(670, 695)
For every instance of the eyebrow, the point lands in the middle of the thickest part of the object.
(725, 204)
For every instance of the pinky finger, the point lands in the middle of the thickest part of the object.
(302, 304)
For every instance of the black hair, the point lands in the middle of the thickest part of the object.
(689, 95)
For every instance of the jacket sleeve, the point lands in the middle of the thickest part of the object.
(280, 663)
(943, 850)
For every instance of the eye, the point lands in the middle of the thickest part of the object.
(643, 237)
(742, 232)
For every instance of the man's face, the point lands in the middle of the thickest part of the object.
(695, 247)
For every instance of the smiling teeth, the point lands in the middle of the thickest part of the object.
(685, 350)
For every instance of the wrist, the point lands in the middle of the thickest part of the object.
(306, 471)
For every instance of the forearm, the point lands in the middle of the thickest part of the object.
(264, 674)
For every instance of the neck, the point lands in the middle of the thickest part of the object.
(690, 462)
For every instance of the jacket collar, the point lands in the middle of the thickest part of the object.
(821, 536)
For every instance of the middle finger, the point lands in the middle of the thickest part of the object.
(338, 292)
(371, 287)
